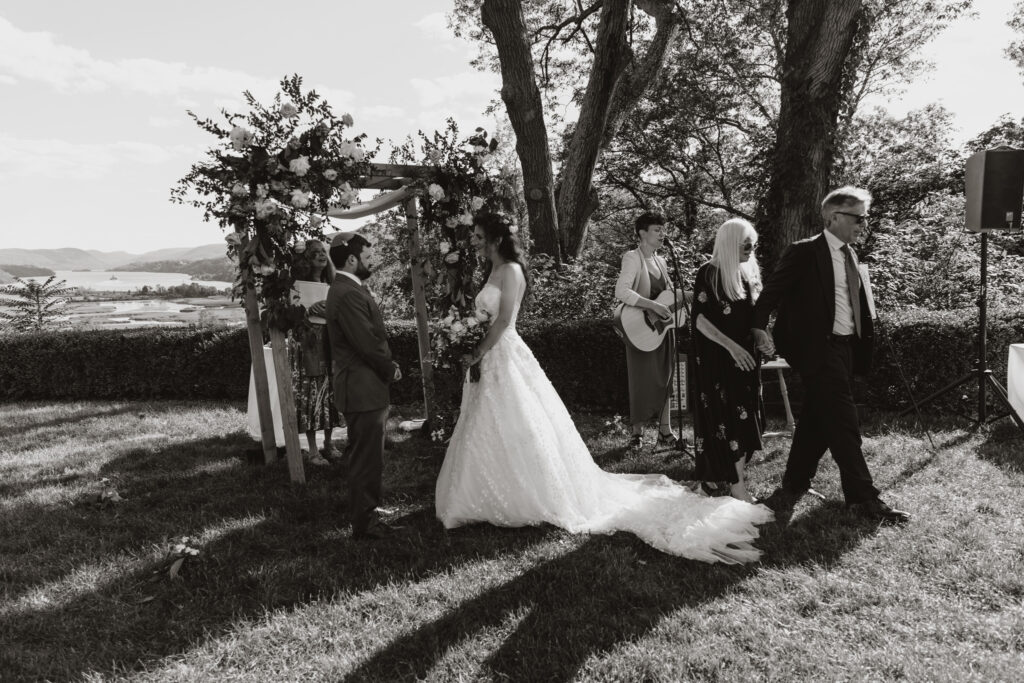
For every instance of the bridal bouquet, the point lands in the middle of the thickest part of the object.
(457, 335)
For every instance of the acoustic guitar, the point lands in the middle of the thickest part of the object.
(643, 328)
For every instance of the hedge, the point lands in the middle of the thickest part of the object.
(585, 361)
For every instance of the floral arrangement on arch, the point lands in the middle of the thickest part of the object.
(268, 180)
(465, 179)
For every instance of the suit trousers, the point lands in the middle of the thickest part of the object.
(364, 454)
(828, 421)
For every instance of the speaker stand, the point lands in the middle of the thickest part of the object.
(981, 374)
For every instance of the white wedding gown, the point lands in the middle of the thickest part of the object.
(516, 459)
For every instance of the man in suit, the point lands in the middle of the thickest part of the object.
(363, 369)
(824, 330)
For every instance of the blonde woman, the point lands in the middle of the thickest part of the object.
(729, 414)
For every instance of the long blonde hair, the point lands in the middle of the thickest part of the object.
(725, 258)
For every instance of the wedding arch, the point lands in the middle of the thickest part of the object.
(274, 175)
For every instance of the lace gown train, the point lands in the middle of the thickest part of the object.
(516, 459)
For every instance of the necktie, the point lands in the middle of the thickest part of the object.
(852, 286)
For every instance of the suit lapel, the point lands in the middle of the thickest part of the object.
(826, 275)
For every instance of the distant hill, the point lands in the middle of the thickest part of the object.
(222, 268)
(69, 258)
(25, 271)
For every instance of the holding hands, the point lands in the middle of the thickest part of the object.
(764, 342)
(319, 308)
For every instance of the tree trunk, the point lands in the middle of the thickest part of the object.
(820, 35)
(617, 82)
(519, 91)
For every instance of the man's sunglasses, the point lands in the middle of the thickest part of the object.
(861, 218)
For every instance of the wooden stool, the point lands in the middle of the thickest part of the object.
(780, 364)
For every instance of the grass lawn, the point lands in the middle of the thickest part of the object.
(279, 591)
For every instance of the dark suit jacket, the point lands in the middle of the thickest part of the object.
(359, 348)
(802, 289)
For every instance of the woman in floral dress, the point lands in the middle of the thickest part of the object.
(729, 415)
(309, 354)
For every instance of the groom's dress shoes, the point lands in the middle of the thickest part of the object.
(876, 509)
(376, 531)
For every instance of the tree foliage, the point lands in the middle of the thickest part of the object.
(32, 306)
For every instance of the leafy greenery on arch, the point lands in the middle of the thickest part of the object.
(268, 180)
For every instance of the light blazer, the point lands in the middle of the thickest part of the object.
(634, 280)
(802, 289)
(359, 348)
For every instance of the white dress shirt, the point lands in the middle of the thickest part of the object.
(843, 322)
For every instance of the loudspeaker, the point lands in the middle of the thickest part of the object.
(995, 189)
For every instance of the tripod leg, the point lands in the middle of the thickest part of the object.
(1000, 393)
(935, 394)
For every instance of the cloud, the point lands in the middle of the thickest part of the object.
(166, 121)
(38, 57)
(475, 87)
(59, 159)
(434, 26)
(379, 111)
(8, 80)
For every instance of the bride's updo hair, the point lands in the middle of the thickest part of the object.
(499, 231)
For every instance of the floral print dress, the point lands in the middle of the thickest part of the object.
(729, 412)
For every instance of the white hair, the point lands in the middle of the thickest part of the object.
(725, 257)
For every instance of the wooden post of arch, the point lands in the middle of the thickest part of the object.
(259, 373)
(419, 293)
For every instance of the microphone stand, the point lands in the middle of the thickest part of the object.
(680, 443)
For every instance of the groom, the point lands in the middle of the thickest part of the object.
(363, 369)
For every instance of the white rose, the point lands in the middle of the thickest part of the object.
(452, 222)
(444, 247)
(233, 238)
(300, 199)
(239, 190)
(434, 155)
(240, 137)
(299, 166)
(288, 110)
(476, 203)
(452, 258)
(466, 218)
(513, 229)
(447, 321)
(267, 269)
(435, 191)
(352, 151)
(472, 322)
(314, 222)
(265, 208)
(330, 174)
(458, 327)
(261, 191)
(346, 119)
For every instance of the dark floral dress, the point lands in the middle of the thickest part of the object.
(729, 413)
(309, 355)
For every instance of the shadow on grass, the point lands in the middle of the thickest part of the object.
(63, 420)
(1004, 447)
(609, 591)
(265, 545)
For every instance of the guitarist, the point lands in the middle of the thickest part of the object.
(643, 277)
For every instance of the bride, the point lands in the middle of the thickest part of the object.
(516, 459)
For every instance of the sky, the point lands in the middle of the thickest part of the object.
(93, 129)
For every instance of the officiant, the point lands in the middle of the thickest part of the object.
(309, 352)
